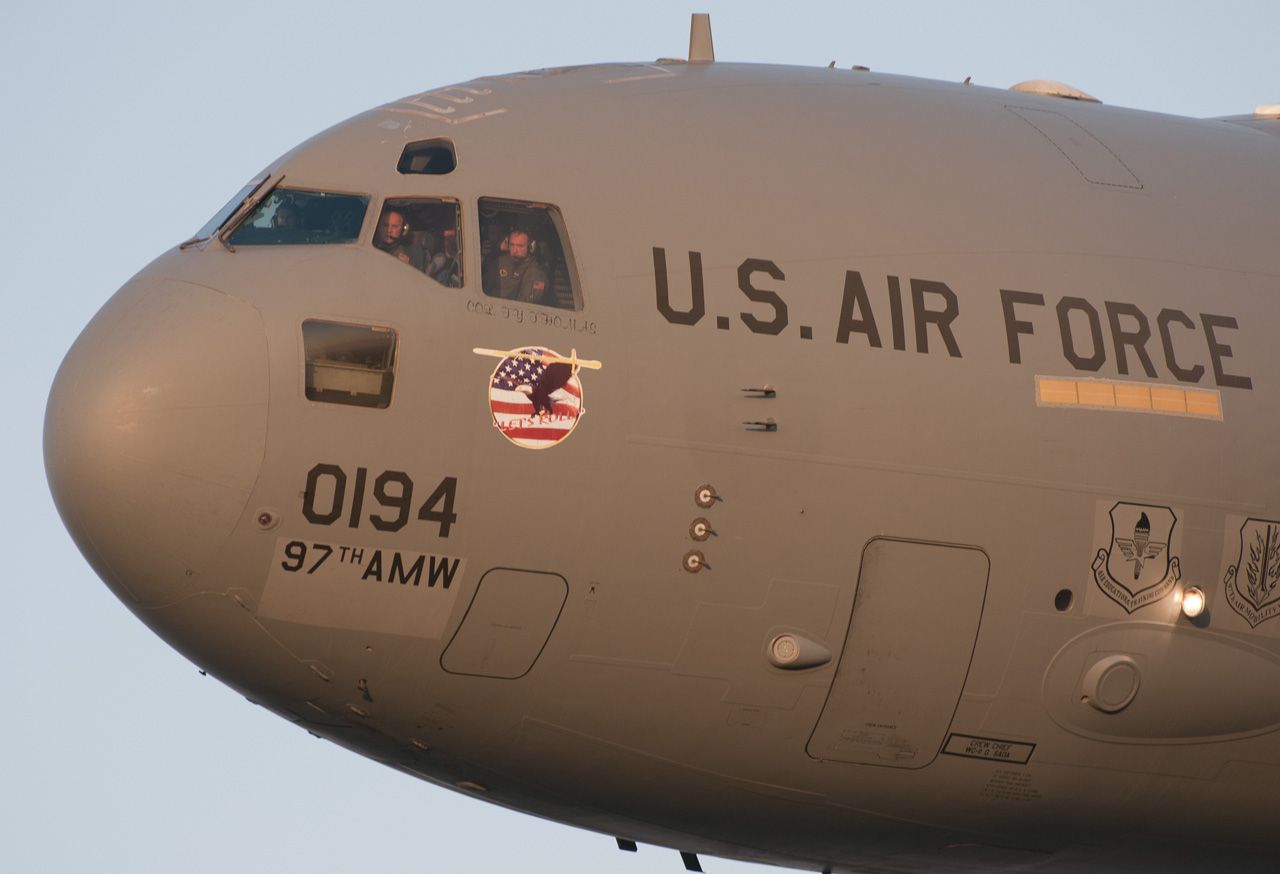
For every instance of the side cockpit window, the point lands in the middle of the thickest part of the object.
(424, 233)
(349, 364)
(525, 254)
(293, 216)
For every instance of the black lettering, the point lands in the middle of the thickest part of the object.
(1013, 326)
(697, 301)
(295, 551)
(942, 318)
(328, 551)
(309, 495)
(1099, 357)
(441, 568)
(399, 574)
(1219, 351)
(1166, 316)
(374, 568)
(1137, 340)
(855, 300)
(357, 555)
(402, 502)
(445, 517)
(357, 497)
(761, 295)
(895, 315)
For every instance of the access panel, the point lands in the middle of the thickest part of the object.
(507, 625)
(911, 638)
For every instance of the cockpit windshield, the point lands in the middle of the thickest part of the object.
(293, 216)
(213, 225)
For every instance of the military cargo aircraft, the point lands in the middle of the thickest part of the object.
(812, 466)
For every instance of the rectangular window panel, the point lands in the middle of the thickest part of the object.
(424, 233)
(349, 364)
(525, 254)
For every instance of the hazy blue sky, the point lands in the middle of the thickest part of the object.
(125, 126)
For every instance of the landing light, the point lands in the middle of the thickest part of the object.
(1193, 602)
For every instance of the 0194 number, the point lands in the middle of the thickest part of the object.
(325, 500)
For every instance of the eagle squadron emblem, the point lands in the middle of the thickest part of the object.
(1136, 569)
(535, 394)
(1253, 582)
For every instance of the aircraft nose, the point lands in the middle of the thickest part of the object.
(154, 434)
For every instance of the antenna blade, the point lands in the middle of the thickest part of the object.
(700, 49)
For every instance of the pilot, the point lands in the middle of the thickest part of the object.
(286, 216)
(392, 237)
(516, 274)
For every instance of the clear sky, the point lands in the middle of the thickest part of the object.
(125, 126)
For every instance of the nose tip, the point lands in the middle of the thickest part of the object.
(155, 431)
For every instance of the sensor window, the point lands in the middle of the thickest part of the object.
(349, 364)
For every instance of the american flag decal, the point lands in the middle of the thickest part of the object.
(535, 395)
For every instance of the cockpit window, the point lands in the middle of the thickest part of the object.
(292, 216)
(213, 225)
(433, 157)
(426, 234)
(349, 364)
(525, 254)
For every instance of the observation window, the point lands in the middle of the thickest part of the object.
(426, 234)
(525, 254)
(432, 157)
(349, 364)
(293, 217)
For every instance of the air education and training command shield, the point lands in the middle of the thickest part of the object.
(535, 395)
(1253, 582)
(1136, 569)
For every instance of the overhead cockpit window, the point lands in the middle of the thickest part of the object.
(426, 234)
(525, 254)
(295, 217)
(349, 364)
(432, 157)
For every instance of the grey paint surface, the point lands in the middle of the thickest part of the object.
(790, 496)
(731, 286)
